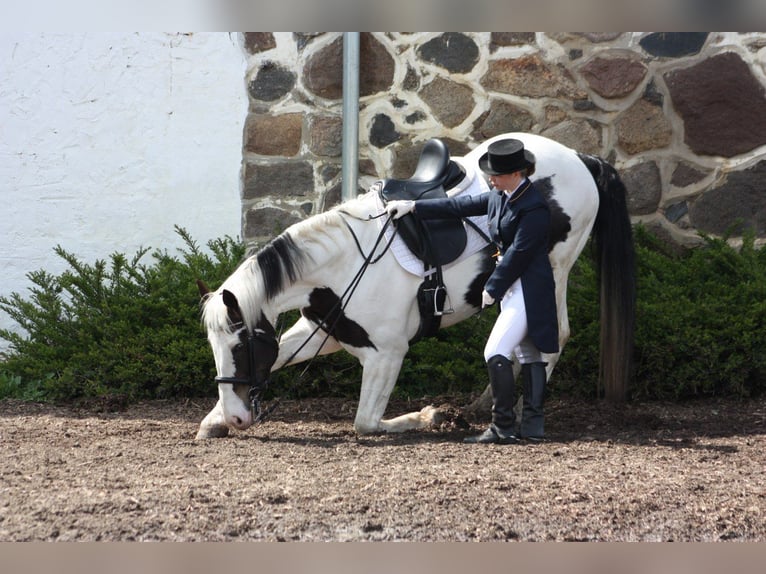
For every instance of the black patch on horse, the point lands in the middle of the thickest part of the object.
(473, 295)
(325, 310)
(560, 221)
(280, 263)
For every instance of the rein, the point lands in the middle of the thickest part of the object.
(257, 388)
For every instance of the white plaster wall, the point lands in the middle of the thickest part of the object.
(108, 140)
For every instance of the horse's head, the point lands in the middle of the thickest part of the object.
(243, 356)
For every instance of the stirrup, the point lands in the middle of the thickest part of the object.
(447, 300)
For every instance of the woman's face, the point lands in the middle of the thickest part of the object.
(506, 181)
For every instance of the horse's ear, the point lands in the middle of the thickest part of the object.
(230, 300)
(204, 290)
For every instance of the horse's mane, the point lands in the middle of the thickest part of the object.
(274, 267)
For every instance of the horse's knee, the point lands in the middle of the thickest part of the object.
(213, 425)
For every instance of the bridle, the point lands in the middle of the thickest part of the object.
(260, 343)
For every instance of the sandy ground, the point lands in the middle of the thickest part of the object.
(641, 472)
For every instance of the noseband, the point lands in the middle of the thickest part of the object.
(259, 343)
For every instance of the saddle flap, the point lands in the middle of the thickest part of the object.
(433, 241)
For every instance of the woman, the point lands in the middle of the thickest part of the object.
(519, 221)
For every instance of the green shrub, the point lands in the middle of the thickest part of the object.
(132, 329)
(699, 322)
(117, 328)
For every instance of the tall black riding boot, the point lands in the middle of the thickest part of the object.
(532, 419)
(502, 429)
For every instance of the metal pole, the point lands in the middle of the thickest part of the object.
(350, 168)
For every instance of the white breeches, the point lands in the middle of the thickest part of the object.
(509, 334)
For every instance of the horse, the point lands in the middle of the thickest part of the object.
(354, 294)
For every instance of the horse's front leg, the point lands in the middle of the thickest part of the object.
(213, 425)
(379, 375)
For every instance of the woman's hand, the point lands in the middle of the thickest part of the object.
(486, 299)
(397, 209)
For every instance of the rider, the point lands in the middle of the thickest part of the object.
(519, 223)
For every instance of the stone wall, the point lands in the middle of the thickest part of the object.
(681, 115)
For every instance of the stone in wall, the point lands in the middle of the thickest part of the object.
(383, 131)
(450, 102)
(367, 167)
(453, 51)
(643, 127)
(411, 81)
(416, 117)
(565, 38)
(653, 95)
(376, 66)
(332, 197)
(326, 136)
(644, 187)
(613, 77)
(256, 42)
(722, 105)
(737, 204)
(600, 37)
(323, 73)
(265, 223)
(303, 39)
(686, 174)
(669, 240)
(503, 117)
(673, 213)
(500, 39)
(272, 82)
(673, 44)
(288, 179)
(274, 135)
(581, 135)
(405, 159)
(554, 115)
(530, 76)
(328, 172)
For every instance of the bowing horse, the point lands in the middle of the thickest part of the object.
(371, 286)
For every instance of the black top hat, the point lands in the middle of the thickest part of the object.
(506, 156)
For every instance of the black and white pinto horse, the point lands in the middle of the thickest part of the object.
(312, 264)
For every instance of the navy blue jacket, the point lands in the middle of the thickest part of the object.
(520, 228)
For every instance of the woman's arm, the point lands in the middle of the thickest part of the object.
(460, 206)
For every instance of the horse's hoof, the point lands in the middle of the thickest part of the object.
(216, 431)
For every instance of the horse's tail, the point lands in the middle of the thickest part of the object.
(615, 258)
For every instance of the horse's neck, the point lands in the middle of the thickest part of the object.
(329, 254)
